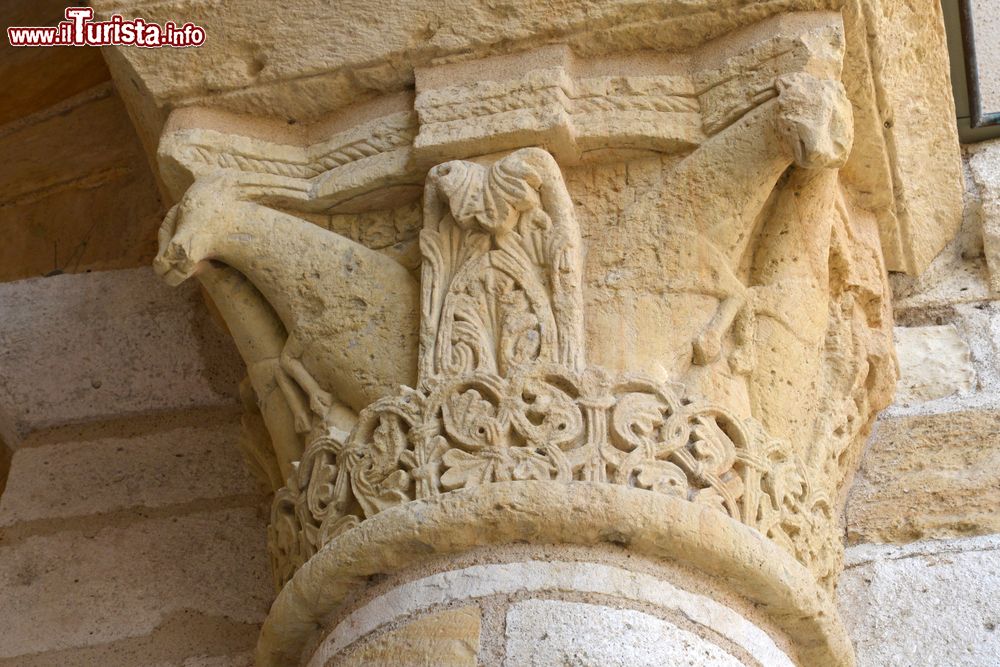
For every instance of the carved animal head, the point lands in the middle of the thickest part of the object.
(211, 208)
(816, 119)
(182, 243)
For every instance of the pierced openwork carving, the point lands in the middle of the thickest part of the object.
(504, 392)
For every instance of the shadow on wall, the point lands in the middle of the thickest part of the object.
(5, 457)
(7, 440)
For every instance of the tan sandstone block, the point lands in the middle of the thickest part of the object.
(97, 586)
(258, 61)
(928, 476)
(86, 346)
(910, 70)
(446, 639)
(169, 466)
(934, 362)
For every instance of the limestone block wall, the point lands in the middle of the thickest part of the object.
(130, 531)
(923, 516)
(76, 348)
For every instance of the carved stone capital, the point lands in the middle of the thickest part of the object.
(505, 392)
(639, 298)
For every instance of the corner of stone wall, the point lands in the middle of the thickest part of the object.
(922, 521)
(130, 530)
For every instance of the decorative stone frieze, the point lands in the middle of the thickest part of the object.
(635, 281)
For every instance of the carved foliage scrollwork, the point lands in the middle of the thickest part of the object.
(504, 393)
(552, 425)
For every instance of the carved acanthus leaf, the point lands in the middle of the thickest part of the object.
(501, 283)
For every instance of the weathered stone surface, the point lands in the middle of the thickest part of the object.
(186, 639)
(165, 466)
(926, 604)
(759, 315)
(978, 325)
(759, 319)
(735, 312)
(79, 347)
(928, 476)
(934, 362)
(987, 34)
(447, 638)
(648, 524)
(908, 50)
(249, 63)
(241, 660)
(985, 167)
(89, 587)
(164, 530)
(762, 139)
(960, 273)
(906, 164)
(682, 336)
(550, 632)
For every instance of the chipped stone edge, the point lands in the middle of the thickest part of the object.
(865, 554)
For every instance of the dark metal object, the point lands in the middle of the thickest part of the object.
(978, 117)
